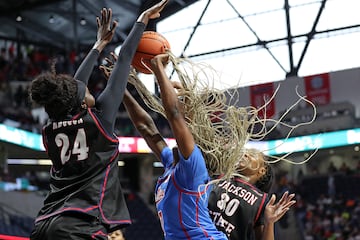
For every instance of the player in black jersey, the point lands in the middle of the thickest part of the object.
(242, 210)
(85, 200)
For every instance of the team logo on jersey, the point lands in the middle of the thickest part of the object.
(160, 193)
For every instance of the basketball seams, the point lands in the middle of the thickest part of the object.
(161, 43)
(151, 44)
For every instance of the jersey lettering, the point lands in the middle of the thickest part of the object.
(229, 206)
(243, 193)
(79, 147)
(222, 222)
(62, 141)
(232, 206)
(221, 203)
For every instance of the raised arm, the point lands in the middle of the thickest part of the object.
(173, 108)
(110, 99)
(105, 33)
(144, 124)
(273, 213)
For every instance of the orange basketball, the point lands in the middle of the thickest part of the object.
(151, 44)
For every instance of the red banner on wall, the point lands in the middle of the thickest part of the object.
(317, 88)
(261, 94)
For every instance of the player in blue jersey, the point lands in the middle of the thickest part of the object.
(181, 193)
(85, 200)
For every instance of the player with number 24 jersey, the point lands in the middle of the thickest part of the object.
(77, 169)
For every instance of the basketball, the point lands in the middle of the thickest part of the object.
(151, 44)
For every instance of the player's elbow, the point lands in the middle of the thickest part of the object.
(146, 128)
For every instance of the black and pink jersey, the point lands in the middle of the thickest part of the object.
(236, 207)
(84, 167)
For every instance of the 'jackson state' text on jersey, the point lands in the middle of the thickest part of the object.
(236, 207)
(181, 198)
(84, 157)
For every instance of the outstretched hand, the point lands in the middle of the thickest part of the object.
(106, 29)
(153, 12)
(273, 212)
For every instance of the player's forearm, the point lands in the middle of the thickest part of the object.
(86, 67)
(168, 95)
(100, 45)
(112, 96)
(144, 124)
(268, 232)
(140, 118)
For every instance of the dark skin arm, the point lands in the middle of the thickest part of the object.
(144, 124)
(172, 106)
(142, 120)
(105, 33)
(273, 213)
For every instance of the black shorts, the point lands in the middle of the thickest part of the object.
(69, 226)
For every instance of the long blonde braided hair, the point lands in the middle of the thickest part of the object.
(221, 130)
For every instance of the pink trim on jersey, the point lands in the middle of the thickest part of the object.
(76, 116)
(260, 207)
(185, 191)
(64, 210)
(180, 217)
(250, 185)
(114, 156)
(7, 237)
(98, 124)
(43, 139)
(92, 207)
(198, 196)
(98, 233)
(263, 194)
(197, 219)
(103, 194)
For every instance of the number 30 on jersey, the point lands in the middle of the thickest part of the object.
(228, 205)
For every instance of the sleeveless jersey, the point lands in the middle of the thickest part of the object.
(181, 198)
(84, 176)
(236, 207)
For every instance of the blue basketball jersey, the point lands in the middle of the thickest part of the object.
(181, 198)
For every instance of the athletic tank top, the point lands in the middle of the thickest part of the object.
(236, 207)
(85, 175)
(181, 198)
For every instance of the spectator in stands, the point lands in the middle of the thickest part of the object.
(332, 168)
(357, 168)
(331, 186)
(19, 96)
(345, 169)
(85, 199)
(4, 65)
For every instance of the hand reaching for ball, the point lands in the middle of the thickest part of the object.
(162, 59)
(151, 44)
(153, 12)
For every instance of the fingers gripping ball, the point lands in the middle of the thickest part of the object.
(150, 45)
